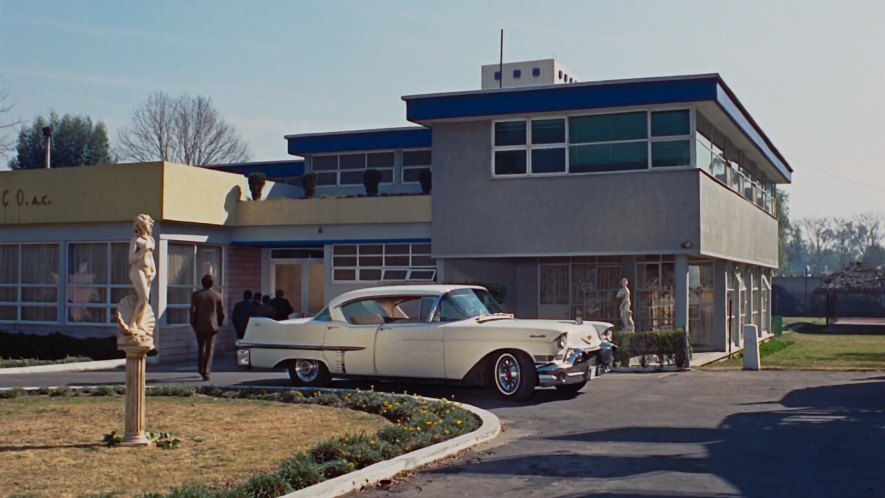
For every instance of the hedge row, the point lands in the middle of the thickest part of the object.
(664, 347)
(57, 346)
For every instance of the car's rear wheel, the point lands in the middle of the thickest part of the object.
(514, 375)
(310, 373)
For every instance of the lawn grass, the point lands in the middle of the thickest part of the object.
(819, 351)
(51, 446)
(804, 323)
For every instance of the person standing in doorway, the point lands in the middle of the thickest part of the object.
(242, 311)
(207, 316)
(281, 306)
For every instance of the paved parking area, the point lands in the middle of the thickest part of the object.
(686, 434)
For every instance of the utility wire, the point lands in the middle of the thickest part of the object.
(844, 179)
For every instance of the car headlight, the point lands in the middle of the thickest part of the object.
(562, 340)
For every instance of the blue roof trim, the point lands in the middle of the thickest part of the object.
(320, 243)
(360, 140)
(734, 110)
(271, 170)
(560, 98)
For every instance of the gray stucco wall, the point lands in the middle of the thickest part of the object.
(647, 212)
(733, 228)
(519, 275)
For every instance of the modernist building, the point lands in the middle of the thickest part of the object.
(553, 188)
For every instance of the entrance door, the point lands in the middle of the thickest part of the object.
(301, 280)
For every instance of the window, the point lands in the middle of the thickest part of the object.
(383, 263)
(529, 147)
(587, 285)
(348, 169)
(29, 282)
(414, 161)
(187, 264)
(97, 279)
(592, 143)
(655, 303)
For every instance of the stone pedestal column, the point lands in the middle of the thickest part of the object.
(135, 379)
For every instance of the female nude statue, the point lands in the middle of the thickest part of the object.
(141, 266)
(626, 315)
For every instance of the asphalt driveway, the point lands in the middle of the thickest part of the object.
(688, 434)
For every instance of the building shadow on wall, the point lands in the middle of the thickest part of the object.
(826, 441)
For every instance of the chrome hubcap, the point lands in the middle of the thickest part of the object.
(507, 374)
(307, 370)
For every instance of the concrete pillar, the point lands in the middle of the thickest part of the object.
(135, 381)
(751, 348)
(720, 306)
(680, 314)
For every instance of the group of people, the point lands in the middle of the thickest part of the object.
(207, 316)
(257, 304)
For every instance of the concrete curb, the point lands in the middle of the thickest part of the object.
(67, 367)
(371, 475)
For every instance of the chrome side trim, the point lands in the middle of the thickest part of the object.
(243, 344)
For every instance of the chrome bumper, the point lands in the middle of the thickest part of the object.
(580, 367)
(244, 358)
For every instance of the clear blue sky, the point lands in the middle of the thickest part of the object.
(810, 72)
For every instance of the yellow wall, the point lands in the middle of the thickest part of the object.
(107, 193)
(198, 195)
(357, 210)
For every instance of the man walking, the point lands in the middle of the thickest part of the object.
(281, 306)
(207, 315)
(242, 311)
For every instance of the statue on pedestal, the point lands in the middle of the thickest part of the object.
(134, 315)
(626, 315)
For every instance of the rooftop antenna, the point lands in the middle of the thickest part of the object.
(501, 61)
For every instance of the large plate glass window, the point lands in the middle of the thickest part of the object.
(97, 279)
(383, 263)
(608, 142)
(530, 147)
(671, 138)
(29, 282)
(187, 265)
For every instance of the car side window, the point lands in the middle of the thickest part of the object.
(414, 309)
(323, 315)
(365, 312)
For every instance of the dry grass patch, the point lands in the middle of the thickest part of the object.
(52, 446)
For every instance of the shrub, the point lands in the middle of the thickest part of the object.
(371, 179)
(267, 486)
(309, 184)
(257, 180)
(301, 471)
(57, 346)
(425, 178)
(666, 347)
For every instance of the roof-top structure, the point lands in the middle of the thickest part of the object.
(856, 278)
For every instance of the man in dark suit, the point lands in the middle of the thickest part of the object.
(242, 311)
(281, 306)
(207, 316)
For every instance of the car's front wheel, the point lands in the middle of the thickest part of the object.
(514, 375)
(310, 373)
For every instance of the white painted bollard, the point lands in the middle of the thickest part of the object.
(751, 348)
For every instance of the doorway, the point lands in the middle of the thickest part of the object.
(301, 280)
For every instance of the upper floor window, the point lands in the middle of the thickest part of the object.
(592, 143)
(414, 161)
(348, 169)
(383, 263)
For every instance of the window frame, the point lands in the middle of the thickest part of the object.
(108, 303)
(19, 303)
(365, 153)
(403, 167)
(649, 140)
(411, 270)
(219, 279)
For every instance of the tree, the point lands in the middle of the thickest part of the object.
(784, 228)
(76, 141)
(820, 234)
(186, 130)
(5, 123)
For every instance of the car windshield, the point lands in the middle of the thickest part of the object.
(462, 304)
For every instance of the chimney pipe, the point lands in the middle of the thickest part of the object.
(47, 133)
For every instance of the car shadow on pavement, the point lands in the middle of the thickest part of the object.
(823, 441)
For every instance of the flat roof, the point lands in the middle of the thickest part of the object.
(429, 108)
(271, 169)
(409, 137)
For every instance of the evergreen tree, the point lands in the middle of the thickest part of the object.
(76, 141)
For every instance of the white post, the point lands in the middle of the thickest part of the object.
(751, 348)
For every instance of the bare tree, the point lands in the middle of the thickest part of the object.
(186, 130)
(868, 232)
(7, 144)
(820, 235)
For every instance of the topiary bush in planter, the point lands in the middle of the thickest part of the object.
(665, 347)
(425, 178)
(371, 180)
(256, 184)
(309, 184)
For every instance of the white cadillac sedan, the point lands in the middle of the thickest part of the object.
(432, 332)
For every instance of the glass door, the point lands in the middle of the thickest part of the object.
(301, 281)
